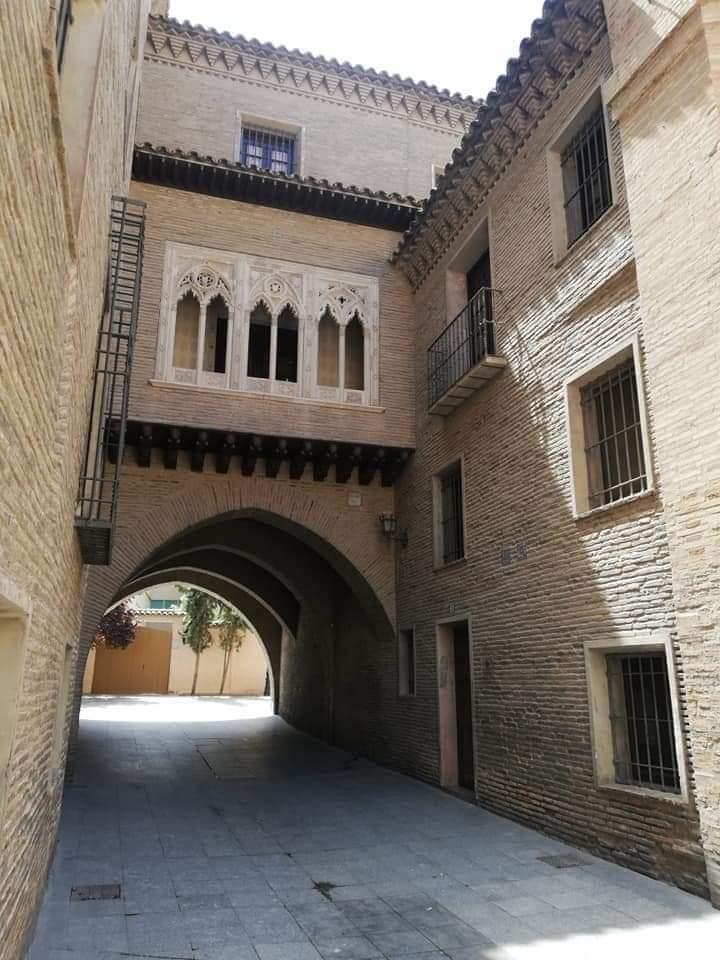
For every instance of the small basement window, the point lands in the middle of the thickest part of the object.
(259, 343)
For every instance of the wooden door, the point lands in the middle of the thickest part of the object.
(144, 667)
(463, 707)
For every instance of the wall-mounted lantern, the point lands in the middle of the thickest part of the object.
(388, 523)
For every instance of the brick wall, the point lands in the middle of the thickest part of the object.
(180, 216)
(54, 261)
(337, 676)
(188, 103)
(537, 583)
(670, 123)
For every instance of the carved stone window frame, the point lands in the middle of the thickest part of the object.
(206, 274)
(246, 281)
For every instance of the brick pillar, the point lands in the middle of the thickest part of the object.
(668, 114)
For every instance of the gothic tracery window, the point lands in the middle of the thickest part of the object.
(187, 331)
(216, 336)
(259, 335)
(328, 350)
(286, 353)
(354, 355)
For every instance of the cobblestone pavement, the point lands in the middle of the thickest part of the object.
(232, 837)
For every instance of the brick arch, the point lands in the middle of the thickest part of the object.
(266, 624)
(364, 561)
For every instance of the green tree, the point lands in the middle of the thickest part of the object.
(233, 628)
(199, 612)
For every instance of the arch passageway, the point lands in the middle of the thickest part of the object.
(327, 634)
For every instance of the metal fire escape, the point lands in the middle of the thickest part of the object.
(99, 479)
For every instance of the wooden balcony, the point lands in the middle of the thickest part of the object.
(463, 359)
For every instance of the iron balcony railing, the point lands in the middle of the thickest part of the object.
(98, 488)
(462, 345)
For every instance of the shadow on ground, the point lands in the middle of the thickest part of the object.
(233, 837)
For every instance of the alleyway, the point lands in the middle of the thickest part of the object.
(231, 837)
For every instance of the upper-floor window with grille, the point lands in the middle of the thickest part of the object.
(613, 436)
(268, 149)
(585, 166)
(450, 545)
(641, 718)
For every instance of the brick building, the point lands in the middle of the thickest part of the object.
(440, 454)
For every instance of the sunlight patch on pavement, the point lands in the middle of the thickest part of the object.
(169, 709)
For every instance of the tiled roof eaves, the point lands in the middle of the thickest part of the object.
(289, 191)
(560, 41)
(311, 61)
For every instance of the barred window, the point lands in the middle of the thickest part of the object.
(266, 149)
(613, 436)
(585, 168)
(452, 538)
(641, 720)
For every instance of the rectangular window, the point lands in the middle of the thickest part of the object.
(450, 494)
(163, 604)
(268, 149)
(641, 718)
(585, 167)
(613, 436)
(406, 663)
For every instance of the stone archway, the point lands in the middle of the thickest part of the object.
(322, 576)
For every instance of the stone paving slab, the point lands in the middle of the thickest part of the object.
(307, 854)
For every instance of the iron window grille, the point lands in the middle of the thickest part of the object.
(585, 167)
(613, 436)
(467, 340)
(641, 718)
(451, 514)
(64, 20)
(265, 149)
(99, 479)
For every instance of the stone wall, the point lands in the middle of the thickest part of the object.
(536, 582)
(53, 248)
(667, 112)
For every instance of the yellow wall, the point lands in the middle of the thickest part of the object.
(246, 675)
